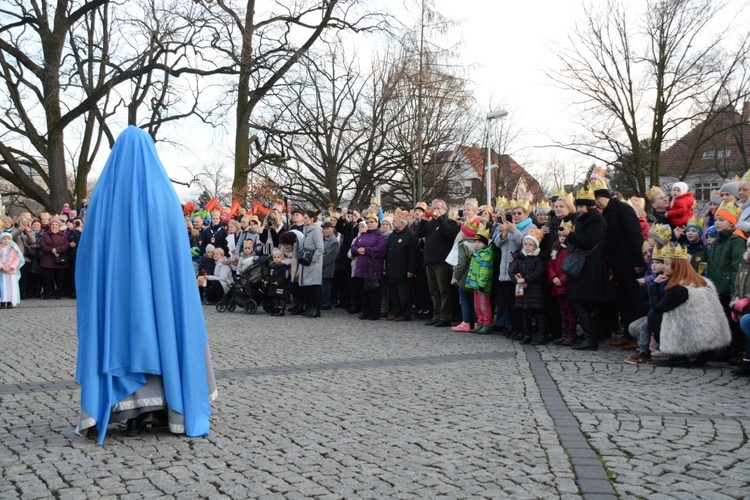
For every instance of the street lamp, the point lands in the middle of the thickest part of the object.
(498, 113)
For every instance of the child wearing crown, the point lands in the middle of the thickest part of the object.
(465, 249)
(479, 279)
(695, 246)
(559, 286)
(528, 272)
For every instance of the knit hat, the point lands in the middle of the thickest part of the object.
(534, 235)
(389, 220)
(731, 188)
(681, 186)
(210, 248)
(712, 232)
(469, 228)
(696, 223)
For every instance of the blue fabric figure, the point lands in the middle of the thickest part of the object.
(139, 314)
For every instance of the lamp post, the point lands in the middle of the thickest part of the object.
(498, 113)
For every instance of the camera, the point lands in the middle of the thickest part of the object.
(429, 213)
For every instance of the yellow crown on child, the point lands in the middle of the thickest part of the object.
(729, 211)
(483, 232)
(659, 253)
(568, 225)
(597, 185)
(662, 233)
(678, 252)
(695, 221)
(586, 193)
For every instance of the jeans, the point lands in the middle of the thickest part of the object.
(745, 326)
(465, 298)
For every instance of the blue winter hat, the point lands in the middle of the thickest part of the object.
(697, 227)
(711, 231)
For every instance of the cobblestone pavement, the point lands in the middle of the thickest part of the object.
(341, 408)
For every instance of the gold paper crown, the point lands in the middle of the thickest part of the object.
(370, 215)
(586, 193)
(483, 231)
(653, 192)
(543, 207)
(730, 208)
(375, 201)
(660, 253)
(661, 232)
(737, 178)
(645, 246)
(537, 234)
(388, 214)
(501, 202)
(678, 252)
(520, 203)
(695, 221)
(568, 224)
(746, 177)
(560, 193)
(596, 185)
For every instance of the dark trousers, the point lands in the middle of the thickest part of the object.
(400, 295)
(53, 280)
(738, 338)
(587, 313)
(312, 296)
(340, 288)
(23, 282)
(632, 301)
(422, 299)
(529, 317)
(326, 291)
(356, 293)
(439, 283)
(370, 301)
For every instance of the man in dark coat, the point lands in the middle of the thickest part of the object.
(623, 245)
(401, 266)
(659, 207)
(586, 290)
(439, 231)
(215, 234)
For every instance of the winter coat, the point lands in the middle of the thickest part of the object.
(279, 281)
(369, 265)
(645, 227)
(49, 241)
(330, 252)
(12, 261)
(681, 210)
(312, 274)
(726, 255)
(216, 236)
(742, 281)
(479, 276)
(589, 231)
(223, 274)
(348, 231)
(623, 241)
(438, 234)
(465, 252)
(24, 242)
(531, 268)
(402, 255)
(554, 270)
(508, 248)
(696, 325)
(553, 224)
(244, 236)
(698, 255)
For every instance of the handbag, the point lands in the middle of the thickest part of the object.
(61, 260)
(371, 284)
(305, 256)
(573, 265)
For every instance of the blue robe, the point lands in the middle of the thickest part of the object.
(139, 311)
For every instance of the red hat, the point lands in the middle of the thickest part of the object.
(470, 227)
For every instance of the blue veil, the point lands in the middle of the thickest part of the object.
(139, 311)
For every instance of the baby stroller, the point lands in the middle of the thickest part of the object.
(248, 290)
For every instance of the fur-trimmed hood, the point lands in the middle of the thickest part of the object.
(697, 325)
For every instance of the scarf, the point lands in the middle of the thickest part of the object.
(523, 224)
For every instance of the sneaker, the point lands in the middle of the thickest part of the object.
(461, 327)
(639, 358)
(484, 330)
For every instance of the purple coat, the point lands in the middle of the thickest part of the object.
(369, 265)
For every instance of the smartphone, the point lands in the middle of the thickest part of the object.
(509, 217)
(460, 212)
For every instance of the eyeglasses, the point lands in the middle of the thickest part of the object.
(519, 213)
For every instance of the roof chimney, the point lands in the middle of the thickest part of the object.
(746, 112)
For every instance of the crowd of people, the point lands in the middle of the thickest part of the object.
(670, 285)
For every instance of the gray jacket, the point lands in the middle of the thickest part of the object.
(508, 246)
(313, 274)
(331, 246)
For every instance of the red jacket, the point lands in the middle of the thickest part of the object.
(554, 270)
(681, 210)
(644, 227)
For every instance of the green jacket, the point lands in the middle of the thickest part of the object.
(725, 257)
(465, 251)
(480, 270)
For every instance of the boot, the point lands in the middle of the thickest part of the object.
(539, 339)
(590, 343)
(297, 309)
(313, 313)
(743, 370)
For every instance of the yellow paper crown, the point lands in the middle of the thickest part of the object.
(586, 193)
(543, 207)
(730, 209)
(520, 203)
(737, 178)
(501, 202)
(746, 177)
(375, 201)
(659, 253)
(483, 231)
(401, 214)
(560, 193)
(370, 215)
(662, 233)
(653, 192)
(645, 246)
(597, 184)
(568, 224)
(678, 252)
(695, 221)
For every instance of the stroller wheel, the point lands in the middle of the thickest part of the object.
(231, 307)
(251, 307)
(221, 307)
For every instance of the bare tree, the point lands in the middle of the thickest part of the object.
(639, 76)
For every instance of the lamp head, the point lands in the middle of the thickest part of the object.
(498, 113)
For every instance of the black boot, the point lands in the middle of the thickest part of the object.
(743, 370)
(588, 344)
(313, 313)
(297, 309)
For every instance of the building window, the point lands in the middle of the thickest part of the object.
(703, 190)
(716, 155)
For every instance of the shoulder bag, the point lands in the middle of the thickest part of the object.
(573, 265)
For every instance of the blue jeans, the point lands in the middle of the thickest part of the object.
(465, 299)
(502, 319)
(745, 327)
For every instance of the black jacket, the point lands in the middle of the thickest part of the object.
(279, 282)
(533, 271)
(438, 234)
(623, 241)
(590, 229)
(402, 255)
(216, 236)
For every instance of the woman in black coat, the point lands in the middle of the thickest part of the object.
(585, 291)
